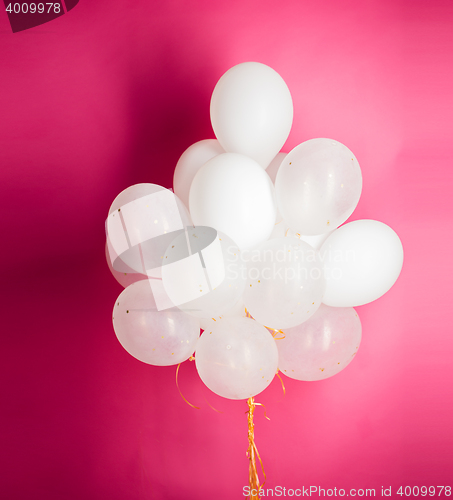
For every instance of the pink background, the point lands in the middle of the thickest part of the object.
(110, 95)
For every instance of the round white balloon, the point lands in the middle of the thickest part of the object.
(322, 346)
(318, 186)
(190, 162)
(234, 195)
(155, 194)
(362, 260)
(142, 221)
(237, 358)
(252, 111)
(285, 282)
(155, 337)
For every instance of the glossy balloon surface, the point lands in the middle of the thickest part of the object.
(234, 195)
(285, 282)
(237, 358)
(155, 337)
(318, 186)
(193, 158)
(252, 111)
(362, 260)
(322, 346)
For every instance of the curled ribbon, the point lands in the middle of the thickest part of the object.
(283, 385)
(181, 394)
(177, 385)
(277, 334)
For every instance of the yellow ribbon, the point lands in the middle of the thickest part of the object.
(177, 385)
(252, 453)
(274, 332)
(210, 406)
(283, 385)
(190, 404)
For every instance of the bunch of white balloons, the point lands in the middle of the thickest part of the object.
(247, 249)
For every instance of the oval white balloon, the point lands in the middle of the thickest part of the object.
(155, 337)
(234, 195)
(318, 186)
(252, 111)
(237, 358)
(285, 282)
(362, 261)
(141, 223)
(322, 346)
(190, 162)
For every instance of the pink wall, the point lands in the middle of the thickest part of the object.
(110, 95)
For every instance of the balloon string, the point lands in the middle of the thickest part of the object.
(210, 406)
(252, 453)
(277, 334)
(190, 404)
(283, 385)
(177, 385)
(274, 332)
(297, 234)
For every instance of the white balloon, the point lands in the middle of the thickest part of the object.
(234, 195)
(190, 162)
(285, 282)
(142, 221)
(237, 358)
(155, 337)
(252, 111)
(362, 259)
(144, 190)
(274, 165)
(322, 346)
(206, 279)
(318, 186)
